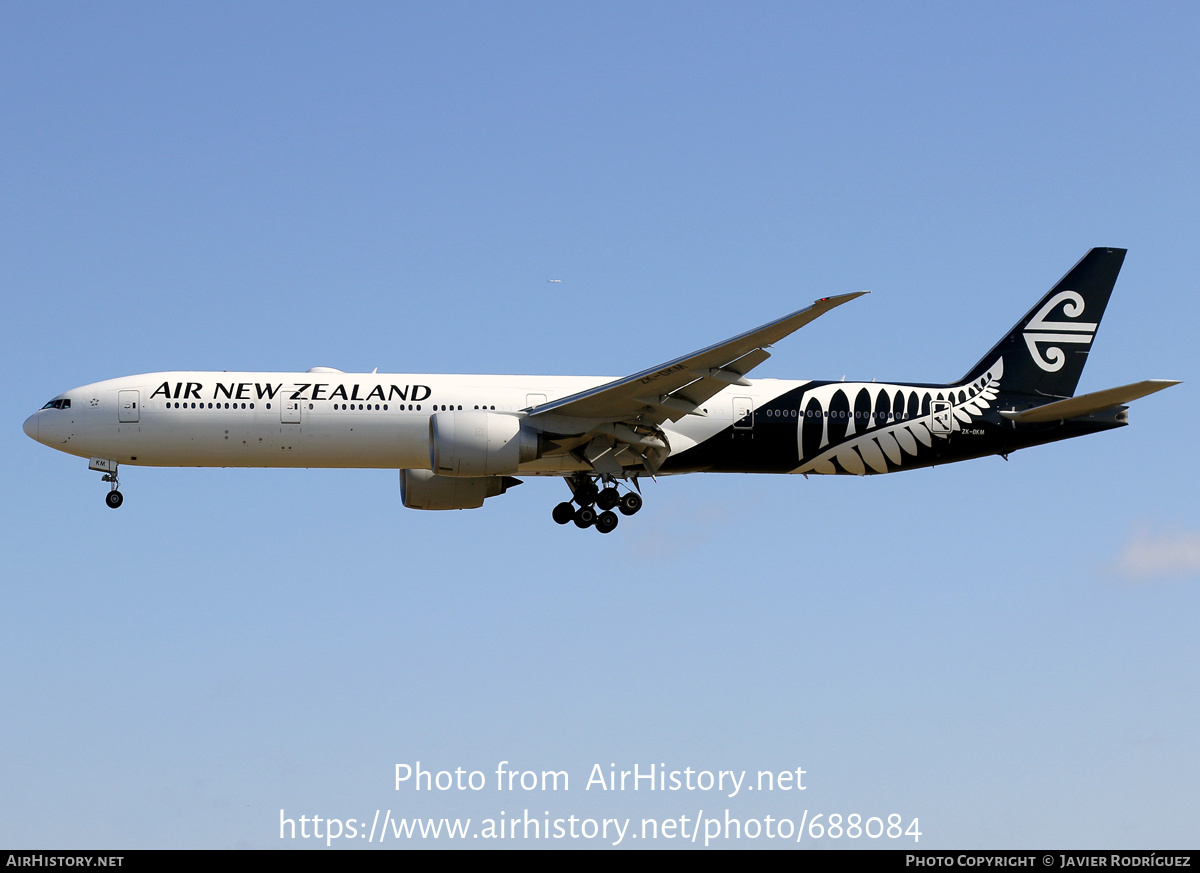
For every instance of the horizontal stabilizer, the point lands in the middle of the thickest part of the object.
(1086, 404)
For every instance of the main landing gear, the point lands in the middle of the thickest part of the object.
(596, 504)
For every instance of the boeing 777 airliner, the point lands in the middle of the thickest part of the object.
(458, 440)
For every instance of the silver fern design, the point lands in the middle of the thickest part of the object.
(868, 427)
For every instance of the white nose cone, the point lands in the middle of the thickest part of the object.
(31, 427)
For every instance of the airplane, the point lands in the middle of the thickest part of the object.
(458, 440)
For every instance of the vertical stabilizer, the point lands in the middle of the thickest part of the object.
(1045, 352)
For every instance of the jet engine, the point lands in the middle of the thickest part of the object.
(421, 489)
(479, 444)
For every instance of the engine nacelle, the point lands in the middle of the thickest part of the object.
(479, 444)
(421, 489)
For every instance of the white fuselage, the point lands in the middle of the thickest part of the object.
(314, 419)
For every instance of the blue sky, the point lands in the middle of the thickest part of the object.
(1006, 651)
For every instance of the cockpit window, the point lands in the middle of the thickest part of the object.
(59, 403)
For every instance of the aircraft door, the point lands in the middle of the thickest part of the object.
(941, 418)
(743, 413)
(127, 406)
(289, 412)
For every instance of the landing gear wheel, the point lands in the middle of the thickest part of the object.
(608, 498)
(630, 503)
(585, 493)
(564, 513)
(606, 522)
(585, 517)
(114, 499)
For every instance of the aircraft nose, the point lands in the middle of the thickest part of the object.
(31, 427)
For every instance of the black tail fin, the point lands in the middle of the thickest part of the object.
(1045, 352)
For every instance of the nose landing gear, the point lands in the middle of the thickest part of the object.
(590, 496)
(113, 498)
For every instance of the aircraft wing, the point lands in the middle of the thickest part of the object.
(678, 387)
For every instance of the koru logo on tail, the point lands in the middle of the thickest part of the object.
(1041, 331)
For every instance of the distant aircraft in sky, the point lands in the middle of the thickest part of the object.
(556, 281)
(458, 440)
